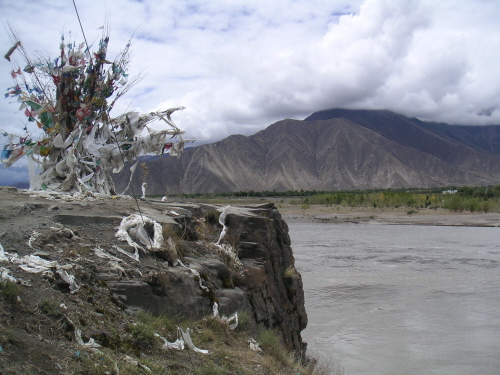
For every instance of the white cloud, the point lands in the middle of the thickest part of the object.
(238, 66)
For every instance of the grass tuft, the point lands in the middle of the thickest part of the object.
(9, 290)
(244, 320)
(291, 273)
(271, 343)
(51, 308)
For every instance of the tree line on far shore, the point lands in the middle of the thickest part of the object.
(458, 199)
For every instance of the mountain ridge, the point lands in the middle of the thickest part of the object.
(331, 150)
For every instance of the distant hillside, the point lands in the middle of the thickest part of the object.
(334, 149)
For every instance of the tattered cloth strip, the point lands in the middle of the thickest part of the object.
(222, 221)
(114, 262)
(135, 225)
(59, 230)
(102, 254)
(226, 320)
(187, 339)
(33, 237)
(196, 274)
(3, 258)
(254, 345)
(68, 279)
(35, 264)
(177, 344)
(91, 344)
(11, 50)
(134, 256)
(4, 275)
(132, 171)
(183, 339)
(226, 249)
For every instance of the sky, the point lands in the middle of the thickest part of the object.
(239, 66)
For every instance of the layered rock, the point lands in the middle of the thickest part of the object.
(252, 270)
(266, 284)
(274, 287)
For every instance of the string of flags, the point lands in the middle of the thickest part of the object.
(69, 98)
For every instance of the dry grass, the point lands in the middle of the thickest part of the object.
(291, 273)
(229, 351)
(206, 231)
(128, 341)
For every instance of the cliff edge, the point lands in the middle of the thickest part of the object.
(75, 282)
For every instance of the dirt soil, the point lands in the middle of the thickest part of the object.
(39, 314)
(396, 216)
(42, 314)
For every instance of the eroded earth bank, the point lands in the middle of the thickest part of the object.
(78, 299)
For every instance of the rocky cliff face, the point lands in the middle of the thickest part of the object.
(273, 285)
(252, 270)
(266, 284)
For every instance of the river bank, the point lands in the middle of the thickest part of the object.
(75, 298)
(395, 216)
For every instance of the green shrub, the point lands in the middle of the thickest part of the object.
(210, 369)
(7, 335)
(271, 343)
(244, 320)
(142, 332)
(486, 206)
(454, 203)
(51, 308)
(9, 290)
(212, 217)
(268, 338)
(148, 324)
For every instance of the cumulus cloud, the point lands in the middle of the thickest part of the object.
(238, 66)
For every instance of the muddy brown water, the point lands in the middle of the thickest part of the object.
(401, 299)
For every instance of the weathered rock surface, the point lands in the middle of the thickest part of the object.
(274, 287)
(261, 280)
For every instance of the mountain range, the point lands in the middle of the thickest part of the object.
(332, 150)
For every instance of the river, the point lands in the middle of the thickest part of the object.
(401, 299)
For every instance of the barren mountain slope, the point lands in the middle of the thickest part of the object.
(337, 149)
